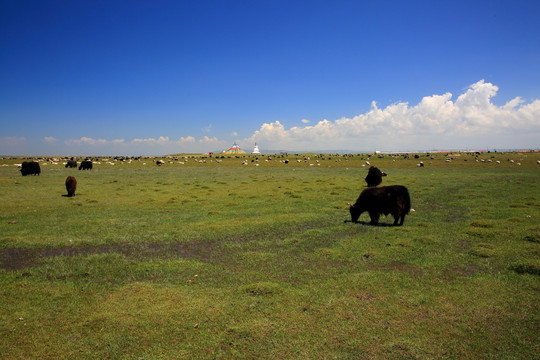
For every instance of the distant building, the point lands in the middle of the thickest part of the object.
(256, 149)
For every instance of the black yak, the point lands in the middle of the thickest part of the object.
(71, 186)
(71, 164)
(385, 200)
(86, 165)
(374, 176)
(30, 168)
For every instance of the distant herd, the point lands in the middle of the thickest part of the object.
(374, 200)
(33, 168)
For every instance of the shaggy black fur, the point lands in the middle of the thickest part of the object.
(86, 165)
(374, 176)
(385, 200)
(30, 168)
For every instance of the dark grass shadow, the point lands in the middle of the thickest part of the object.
(369, 224)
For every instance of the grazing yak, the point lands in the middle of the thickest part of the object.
(71, 186)
(385, 200)
(374, 176)
(71, 164)
(86, 165)
(30, 168)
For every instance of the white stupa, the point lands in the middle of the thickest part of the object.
(256, 149)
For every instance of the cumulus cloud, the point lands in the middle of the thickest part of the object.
(208, 140)
(145, 146)
(161, 140)
(187, 139)
(435, 122)
(86, 140)
(440, 121)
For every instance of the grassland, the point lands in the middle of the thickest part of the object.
(218, 260)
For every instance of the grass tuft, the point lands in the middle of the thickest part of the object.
(483, 250)
(483, 223)
(532, 267)
(262, 289)
(534, 238)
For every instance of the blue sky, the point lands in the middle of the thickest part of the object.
(160, 77)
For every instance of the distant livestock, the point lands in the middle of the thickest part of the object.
(71, 186)
(71, 164)
(160, 162)
(30, 168)
(85, 165)
(385, 200)
(374, 176)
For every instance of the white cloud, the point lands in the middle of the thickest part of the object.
(187, 139)
(471, 120)
(208, 140)
(86, 140)
(144, 146)
(161, 140)
(435, 122)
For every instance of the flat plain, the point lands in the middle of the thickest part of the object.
(248, 256)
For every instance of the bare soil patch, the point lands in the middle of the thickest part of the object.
(19, 258)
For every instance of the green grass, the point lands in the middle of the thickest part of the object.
(221, 261)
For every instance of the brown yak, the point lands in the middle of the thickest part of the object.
(71, 186)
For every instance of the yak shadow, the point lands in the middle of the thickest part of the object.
(368, 223)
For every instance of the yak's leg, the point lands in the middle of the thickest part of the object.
(396, 218)
(374, 218)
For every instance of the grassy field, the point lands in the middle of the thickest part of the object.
(207, 258)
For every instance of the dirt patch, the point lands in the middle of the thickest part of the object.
(410, 269)
(18, 259)
(455, 271)
(208, 250)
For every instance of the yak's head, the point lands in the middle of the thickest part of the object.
(355, 211)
